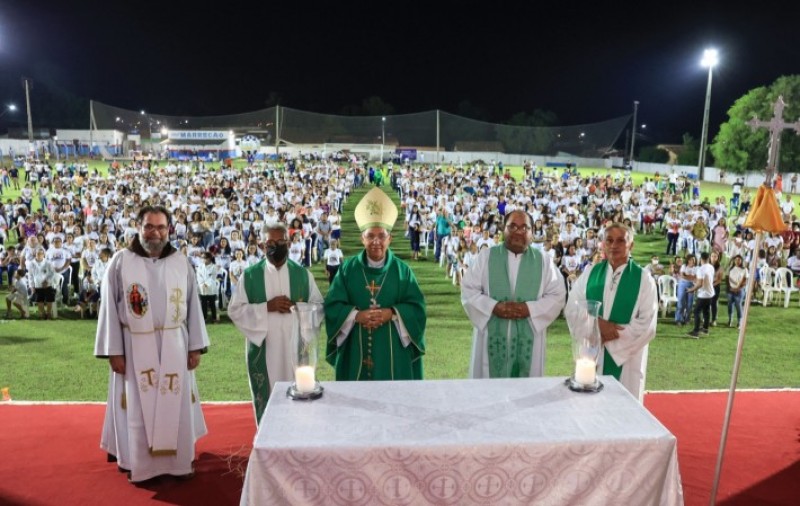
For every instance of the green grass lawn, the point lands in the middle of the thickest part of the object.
(53, 360)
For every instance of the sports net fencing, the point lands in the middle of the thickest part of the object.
(431, 130)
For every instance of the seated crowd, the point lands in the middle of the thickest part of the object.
(219, 214)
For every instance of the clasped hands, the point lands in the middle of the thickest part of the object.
(511, 310)
(374, 317)
(280, 304)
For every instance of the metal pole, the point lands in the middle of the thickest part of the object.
(92, 124)
(736, 362)
(701, 164)
(28, 105)
(438, 132)
(383, 138)
(633, 135)
(277, 130)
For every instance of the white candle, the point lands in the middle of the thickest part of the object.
(304, 379)
(585, 371)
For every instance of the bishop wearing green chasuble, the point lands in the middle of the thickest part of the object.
(374, 311)
(629, 310)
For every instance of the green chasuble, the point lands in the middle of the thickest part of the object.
(510, 342)
(378, 355)
(624, 301)
(256, 355)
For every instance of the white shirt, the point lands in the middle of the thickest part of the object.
(333, 257)
(705, 278)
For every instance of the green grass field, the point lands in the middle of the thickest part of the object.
(53, 360)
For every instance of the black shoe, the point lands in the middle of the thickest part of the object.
(695, 334)
(704, 331)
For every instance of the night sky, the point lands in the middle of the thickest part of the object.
(584, 61)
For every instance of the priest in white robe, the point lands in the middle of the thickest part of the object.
(511, 294)
(629, 309)
(261, 310)
(151, 330)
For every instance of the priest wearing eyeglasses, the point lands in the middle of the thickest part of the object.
(375, 311)
(511, 294)
(261, 310)
(629, 308)
(151, 330)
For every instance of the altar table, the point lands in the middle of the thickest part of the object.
(462, 442)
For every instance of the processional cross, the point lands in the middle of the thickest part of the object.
(776, 126)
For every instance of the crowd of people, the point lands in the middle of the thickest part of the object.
(64, 243)
(460, 211)
(83, 218)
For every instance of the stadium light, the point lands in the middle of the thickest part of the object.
(9, 108)
(710, 60)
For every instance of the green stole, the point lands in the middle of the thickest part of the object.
(624, 301)
(255, 287)
(510, 342)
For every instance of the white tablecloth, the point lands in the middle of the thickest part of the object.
(461, 442)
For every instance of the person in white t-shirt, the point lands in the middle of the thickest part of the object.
(333, 259)
(297, 248)
(737, 281)
(787, 208)
(704, 290)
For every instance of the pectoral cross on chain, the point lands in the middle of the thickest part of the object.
(373, 289)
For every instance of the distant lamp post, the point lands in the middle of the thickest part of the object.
(710, 60)
(633, 135)
(383, 136)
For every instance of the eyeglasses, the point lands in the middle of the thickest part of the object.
(514, 228)
(272, 244)
(160, 228)
(375, 238)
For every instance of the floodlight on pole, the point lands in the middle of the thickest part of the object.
(710, 60)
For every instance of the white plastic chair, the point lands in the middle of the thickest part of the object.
(58, 283)
(424, 239)
(784, 283)
(767, 284)
(668, 293)
(223, 283)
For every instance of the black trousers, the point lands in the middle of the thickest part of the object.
(702, 306)
(715, 303)
(208, 303)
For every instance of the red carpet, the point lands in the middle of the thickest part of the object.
(50, 453)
